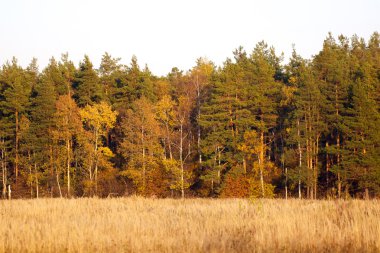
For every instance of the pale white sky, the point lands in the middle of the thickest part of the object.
(168, 33)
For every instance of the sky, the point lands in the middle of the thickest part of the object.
(174, 33)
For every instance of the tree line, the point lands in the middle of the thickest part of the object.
(253, 127)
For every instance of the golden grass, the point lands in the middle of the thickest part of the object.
(191, 225)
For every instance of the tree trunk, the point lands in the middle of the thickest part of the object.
(309, 153)
(68, 166)
(261, 163)
(338, 143)
(96, 162)
(36, 178)
(308, 169)
(30, 173)
(299, 159)
(4, 168)
(143, 159)
(51, 170)
(198, 125)
(181, 161)
(286, 183)
(338, 164)
(219, 165)
(316, 168)
(327, 167)
(59, 185)
(366, 191)
(16, 144)
(169, 141)
(9, 192)
(214, 169)
(51, 160)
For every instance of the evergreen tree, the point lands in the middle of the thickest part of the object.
(209, 131)
(68, 71)
(362, 146)
(41, 127)
(264, 105)
(332, 67)
(110, 75)
(16, 89)
(362, 119)
(54, 74)
(87, 84)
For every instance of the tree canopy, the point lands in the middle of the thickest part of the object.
(252, 127)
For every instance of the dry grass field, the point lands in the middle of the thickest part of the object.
(191, 225)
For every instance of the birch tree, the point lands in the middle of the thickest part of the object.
(97, 119)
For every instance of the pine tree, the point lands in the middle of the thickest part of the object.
(68, 71)
(362, 152)
(362, 119)
(140, 81)
(243, 99)
(41, 127)
(220, 121)
(54, 74)
(200, 77)
(264, 104)
(332, 67)
(16, 89)
(88, 90)
(110, 75)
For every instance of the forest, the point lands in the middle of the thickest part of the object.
(254, 127)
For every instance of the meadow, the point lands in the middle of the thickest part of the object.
(192, 225)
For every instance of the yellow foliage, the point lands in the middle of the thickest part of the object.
(165, 110)
(105, 151)
(99, 117)
(173, 166)
(293, 80)
(251, 143)
(287, 94)
(255, 189)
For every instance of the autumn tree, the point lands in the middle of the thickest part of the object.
(97, 119)
(165, 113)
(68, 125)
(252, 147)
(218, 131)
(141, 147)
